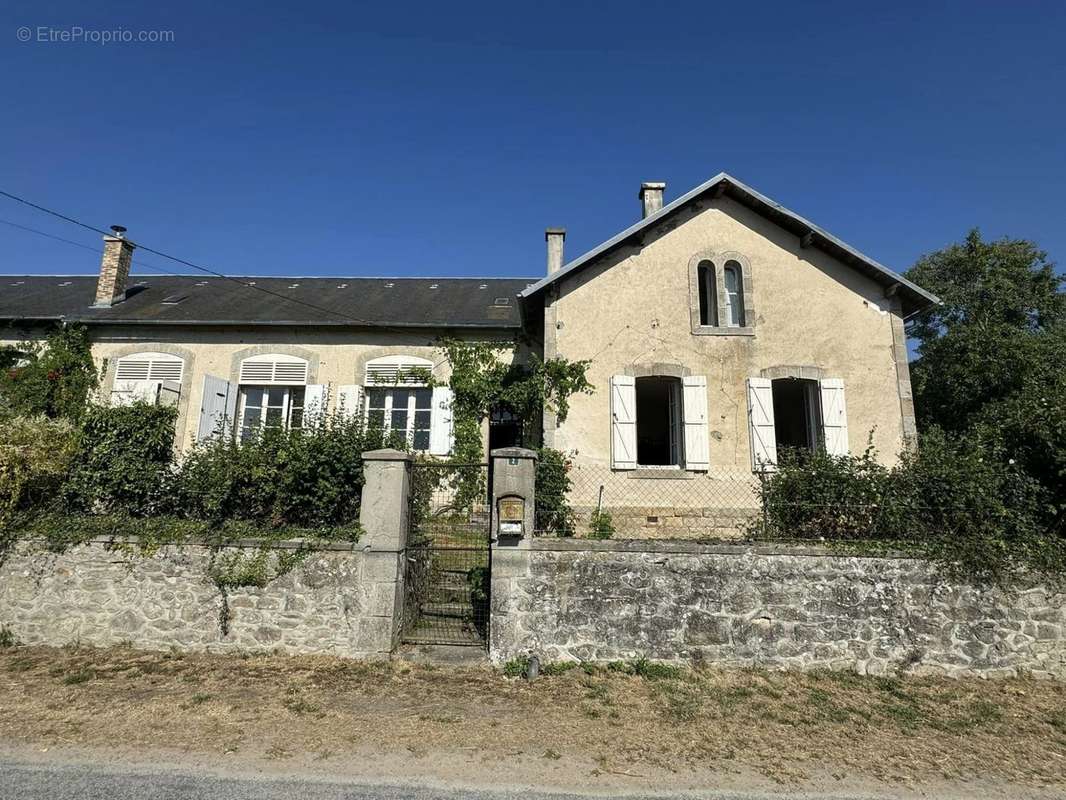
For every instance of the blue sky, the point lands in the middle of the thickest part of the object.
(441, 139)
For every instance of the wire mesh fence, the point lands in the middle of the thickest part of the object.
(651, 503)
(447, 558)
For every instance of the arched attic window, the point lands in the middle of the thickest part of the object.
(148, 377)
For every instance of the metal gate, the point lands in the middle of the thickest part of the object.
(446, 581)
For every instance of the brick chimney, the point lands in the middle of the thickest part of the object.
(114, 268)
(555, 237)
(651, 197)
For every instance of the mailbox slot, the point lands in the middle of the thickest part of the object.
(511, 515)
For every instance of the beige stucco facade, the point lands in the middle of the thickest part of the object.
(336, 357)
(809, 315)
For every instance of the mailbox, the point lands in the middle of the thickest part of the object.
(511, 513)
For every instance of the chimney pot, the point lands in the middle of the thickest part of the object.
(651, 197)
(555, 238)
(114, 268)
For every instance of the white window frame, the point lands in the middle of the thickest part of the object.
(286, 407)
(404, 372)
(269, 371)
(412, 408)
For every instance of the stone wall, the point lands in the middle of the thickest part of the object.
(340, 601)
(771, 607)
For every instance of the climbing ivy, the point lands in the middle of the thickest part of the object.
(482, 381)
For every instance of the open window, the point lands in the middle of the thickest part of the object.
(659, 422)
(795, 413)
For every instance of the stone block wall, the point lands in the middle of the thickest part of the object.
(341, 601)
(770, 607)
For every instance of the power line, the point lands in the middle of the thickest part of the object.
(209, 271)
(77, 244)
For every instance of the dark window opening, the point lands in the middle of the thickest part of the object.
(708, 293)
(797, 414)
(658, 422)
(505, 429)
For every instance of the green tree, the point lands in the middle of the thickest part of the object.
(992, 356)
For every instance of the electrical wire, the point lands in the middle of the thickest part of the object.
(186, 263)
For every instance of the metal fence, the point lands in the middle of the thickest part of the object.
(652, 503)
(446, 582)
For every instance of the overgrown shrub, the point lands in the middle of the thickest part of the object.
(958, 500)
(53, 379)
(35, 453)
(310, 477)
(123, 461)
(552, 509)
(819, 496)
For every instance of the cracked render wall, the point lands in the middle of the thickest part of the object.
(768, 607)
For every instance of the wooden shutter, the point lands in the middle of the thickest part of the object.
(217, 408)
(834, 417)
(623, 422)
(314, 405)
(441, 434)
(761, 423)
(349, 401)
(694, 412)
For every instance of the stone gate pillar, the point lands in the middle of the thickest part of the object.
(513, 478)
(383, 517)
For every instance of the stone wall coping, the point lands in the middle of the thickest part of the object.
(697, 548)
(387, 454)
(514, 452)
(285, 544)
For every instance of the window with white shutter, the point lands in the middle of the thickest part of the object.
(834, 416)
(350, 401)
(441, 434)
(761, 424)
(623, 422)
(694, 411)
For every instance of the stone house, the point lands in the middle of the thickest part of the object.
(719, 328)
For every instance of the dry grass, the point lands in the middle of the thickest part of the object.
(784, 725)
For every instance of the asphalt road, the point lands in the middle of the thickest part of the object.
(20, 781)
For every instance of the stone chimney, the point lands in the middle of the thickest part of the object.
(651, 197)
(555, 237)
(114, 268)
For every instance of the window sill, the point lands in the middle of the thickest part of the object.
(712, 330)
(661, 474)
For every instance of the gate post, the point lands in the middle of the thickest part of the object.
(383, 516)
(513, 475)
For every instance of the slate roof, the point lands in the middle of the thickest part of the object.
(400, 302)
(914, 297)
